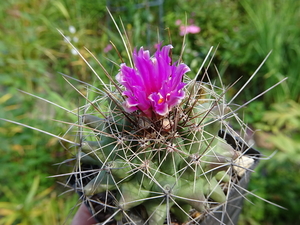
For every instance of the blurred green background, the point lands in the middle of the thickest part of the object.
(33, 54)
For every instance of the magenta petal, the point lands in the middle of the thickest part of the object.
(161, 107)
(153, 86)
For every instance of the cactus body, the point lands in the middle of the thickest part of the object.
(158, 151)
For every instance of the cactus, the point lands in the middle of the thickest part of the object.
(158, 145)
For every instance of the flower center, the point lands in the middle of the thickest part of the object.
(160, 101)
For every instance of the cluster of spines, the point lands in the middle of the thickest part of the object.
(167, 165)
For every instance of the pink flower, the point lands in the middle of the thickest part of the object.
(153, 86)
(178, 22)
(107, 48)
(192, 29)
(156, 45)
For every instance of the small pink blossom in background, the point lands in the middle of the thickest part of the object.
(107, 48)
(178, 22)
(189, 29)
(157, 45)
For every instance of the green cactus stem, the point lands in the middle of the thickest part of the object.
(94, 122)
(157, 211)
(132, 194)
(87, 159)
(101, 183)
(120, 169)
(192, 193)
(223, 176)
(181, 211)
(214, 191)
(100, 150)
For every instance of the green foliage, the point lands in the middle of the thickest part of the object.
(274, 27)
(245, 34)
(24, 150)
(38, 206)
(32, 49)
(276, 181)
(283, 122)
(220, 23)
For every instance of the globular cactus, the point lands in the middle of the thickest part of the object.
(154, 147)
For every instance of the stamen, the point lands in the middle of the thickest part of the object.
(161, 100)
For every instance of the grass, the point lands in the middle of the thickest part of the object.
(38, 206)
(274, 27)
